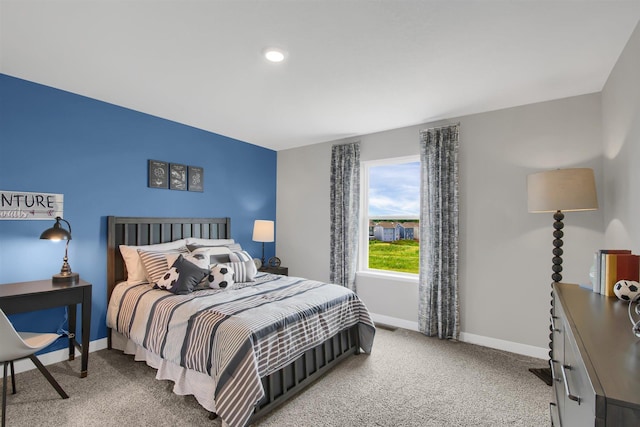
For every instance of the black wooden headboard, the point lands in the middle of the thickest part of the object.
(138, 231)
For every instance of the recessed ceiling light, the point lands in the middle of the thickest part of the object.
(274, 55)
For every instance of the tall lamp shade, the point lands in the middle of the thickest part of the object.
(557, 191)
(263, 232)
(562, 190)
(56, 233)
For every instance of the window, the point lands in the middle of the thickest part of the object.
(391, 215)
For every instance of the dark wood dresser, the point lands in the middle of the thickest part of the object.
(596, 360)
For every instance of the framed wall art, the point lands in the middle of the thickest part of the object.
(196, 178)
(158, 174)
(177, 177)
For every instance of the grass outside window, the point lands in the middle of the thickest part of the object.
(401, 256)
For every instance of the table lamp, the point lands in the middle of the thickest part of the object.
(263, 232)
(56, 233)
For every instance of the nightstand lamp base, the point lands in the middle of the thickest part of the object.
(68, 278)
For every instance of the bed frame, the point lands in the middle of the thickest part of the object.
(280, 385)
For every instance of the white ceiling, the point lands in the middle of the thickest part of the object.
(353, 67)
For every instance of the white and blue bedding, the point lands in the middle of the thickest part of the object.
(239, 335)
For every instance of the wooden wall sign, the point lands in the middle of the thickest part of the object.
(24, 205)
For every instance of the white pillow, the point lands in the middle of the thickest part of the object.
(240, 256)
(213, 254)
(209, 242)
(135, 269)
(234, 247)
(245, 270)
(249, 269)
(156, 264)
(201, 261)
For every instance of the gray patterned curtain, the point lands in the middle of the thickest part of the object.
(345, 210)
(438, 286)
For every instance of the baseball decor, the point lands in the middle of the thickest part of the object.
(626, 290)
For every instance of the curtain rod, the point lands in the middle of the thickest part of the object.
(440, 127)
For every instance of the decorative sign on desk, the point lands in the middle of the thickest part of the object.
(24, 205)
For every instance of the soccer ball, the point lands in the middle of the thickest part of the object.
(168, 279)
(220, 277)
(626, 290)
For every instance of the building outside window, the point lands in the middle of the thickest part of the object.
(391, 211)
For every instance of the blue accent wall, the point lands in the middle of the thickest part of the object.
(96, 155)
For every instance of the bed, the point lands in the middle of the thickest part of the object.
(240, 352)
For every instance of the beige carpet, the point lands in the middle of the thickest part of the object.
(408, 380)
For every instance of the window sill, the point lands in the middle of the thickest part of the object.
(379, 274)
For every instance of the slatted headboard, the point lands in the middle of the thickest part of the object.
(148, 231)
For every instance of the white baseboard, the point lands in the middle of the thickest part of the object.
(394, 321)
(510, 346)
(58, 356)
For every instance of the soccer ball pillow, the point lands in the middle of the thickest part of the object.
(626, 290)
(220, 277)
(168, 279)
(182, 277)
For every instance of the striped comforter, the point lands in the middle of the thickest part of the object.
(237, 336)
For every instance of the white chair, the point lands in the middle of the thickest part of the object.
(20, 345)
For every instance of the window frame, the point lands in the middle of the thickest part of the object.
(363, 244)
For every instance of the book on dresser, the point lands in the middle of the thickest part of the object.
(601, 267)
(619, 267)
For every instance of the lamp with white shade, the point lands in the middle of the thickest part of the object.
(558, 191)
(263, 232)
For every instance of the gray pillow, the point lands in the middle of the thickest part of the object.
(182, 278)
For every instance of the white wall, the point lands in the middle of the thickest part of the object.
(621, 131)
(505, 252)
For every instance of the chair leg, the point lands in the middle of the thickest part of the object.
(4, 395)
(48, 376)
(13, 378)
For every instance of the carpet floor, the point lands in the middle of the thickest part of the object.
(408, 380)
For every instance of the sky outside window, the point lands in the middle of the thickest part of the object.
(394, 190)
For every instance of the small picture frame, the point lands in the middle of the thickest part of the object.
(196, 178)
(177, 177)
(158, 174)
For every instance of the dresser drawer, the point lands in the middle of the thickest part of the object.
(572, 392)
(558, 327)
(555, 416)
(579, 397)
(557, 351)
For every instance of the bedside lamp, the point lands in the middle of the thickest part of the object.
(56, 233)
(263, 232)
(557, 191)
